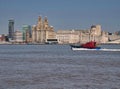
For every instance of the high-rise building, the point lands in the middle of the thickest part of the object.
(26, 33)
(11, 29)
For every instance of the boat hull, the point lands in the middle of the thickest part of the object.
(96, 49)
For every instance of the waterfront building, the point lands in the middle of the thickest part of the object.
(18, 36)
(67, 36)
(2, 38)
(34, 33)
(104, 37)
(27, 35)
(117, 33)
(113, 37)
(82, 36)
(42, 31)
(73, 36)
(11, 29)
(95, 32)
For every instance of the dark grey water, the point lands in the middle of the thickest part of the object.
(58, 67)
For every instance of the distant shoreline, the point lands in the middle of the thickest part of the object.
(50, 44)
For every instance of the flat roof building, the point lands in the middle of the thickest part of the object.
(11, 29)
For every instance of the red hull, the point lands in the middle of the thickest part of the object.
(90, 45)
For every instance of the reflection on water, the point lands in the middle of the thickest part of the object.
(58, 67)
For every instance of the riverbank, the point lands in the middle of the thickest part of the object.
(10, 43)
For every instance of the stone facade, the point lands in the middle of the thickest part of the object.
(67, 36)
(42, 31)
(95, 32)
(18, 36)
(82, 36)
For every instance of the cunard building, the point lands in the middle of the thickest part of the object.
(42, 32)
(95, 33)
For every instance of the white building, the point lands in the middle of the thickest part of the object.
(18, 36)
(67, 36)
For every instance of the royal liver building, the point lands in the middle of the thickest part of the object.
(42, 31)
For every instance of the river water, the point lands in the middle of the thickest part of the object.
(58, 67)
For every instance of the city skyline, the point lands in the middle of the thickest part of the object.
(62, 14)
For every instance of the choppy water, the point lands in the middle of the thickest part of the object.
(58, 67)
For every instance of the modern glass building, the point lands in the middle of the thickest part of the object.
(26, 32)
(11, 29)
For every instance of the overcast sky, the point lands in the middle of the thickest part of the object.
(62, 14)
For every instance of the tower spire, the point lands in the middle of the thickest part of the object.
(45, 24)
(39, 23)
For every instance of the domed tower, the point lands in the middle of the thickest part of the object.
(95, 30)
(39, 24)
(98, 30)
(45, 24)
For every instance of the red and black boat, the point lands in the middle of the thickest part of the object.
(92, 45)
(88, 45)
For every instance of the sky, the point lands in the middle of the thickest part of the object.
(61, 14)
